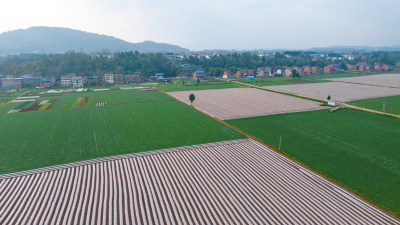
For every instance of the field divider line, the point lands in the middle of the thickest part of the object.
(294, 160)
(118, 157)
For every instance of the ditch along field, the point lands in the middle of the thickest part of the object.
(244, 102)
(236, 182)
(271, 81)
(37, 139)
(338, 91)
(358, 149)
(190, 84)
(392, 104)
(388, 80)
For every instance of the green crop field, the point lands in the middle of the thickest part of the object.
(112, 97)
(190, 84)
(392, 104)
(15, 105)
(37, 139)
(358, 149)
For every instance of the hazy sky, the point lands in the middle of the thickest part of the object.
(218, 24)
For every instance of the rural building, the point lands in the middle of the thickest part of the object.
(227, 75)
(279, 72)
(131, 78)
(328, 69)
(71, 80)
(199, 75)
(66, 81)
(93, 81)
(45, 83)
(159, 75)
(118, 78)
(77, 81)
(378, 67)
(244, 73)
(7, 82)
(316, 70)
(31, 81)
(397, 64)
(306, 70)
(385, 67)
(351, 67)
(263, 71)
(287, 72)
(362, 66)
(109, 78)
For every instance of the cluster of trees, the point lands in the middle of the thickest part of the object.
(234, 61)
(84, 64)
(150, 63)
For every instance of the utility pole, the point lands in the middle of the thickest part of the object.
(280, 142)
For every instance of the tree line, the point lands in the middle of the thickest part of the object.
(87, 65)
(150, 63)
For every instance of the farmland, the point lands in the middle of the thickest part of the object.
(190, 84)
(244, 102)
(111, 97)
(336, 90)
(392, 104)
(388, 80)
(357, 149)
(48, 138)
(236, 182)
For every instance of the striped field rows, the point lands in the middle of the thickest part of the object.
(232, 103)
(240, 182)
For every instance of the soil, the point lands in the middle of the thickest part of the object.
(34, 107)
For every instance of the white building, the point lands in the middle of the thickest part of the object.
(66, 81)
(109, 78)
(77, 81)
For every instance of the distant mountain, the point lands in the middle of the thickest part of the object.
(60, 40)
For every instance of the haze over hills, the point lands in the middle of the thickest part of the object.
(59, 40)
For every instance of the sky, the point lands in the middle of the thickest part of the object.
(218, 24)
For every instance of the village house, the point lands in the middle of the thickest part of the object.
(351, 67)
(131, 78)
(199, 75)
(287, 72)
(306, 70)
(227, 75)
(30, 81)
(93, 80)
(363, 67)
(45, 83)
(71, 80)
(263, 71)
(109, 78)
(118, 78)
(397, 64)
(244, 73)
(77, 81)
(316, 70)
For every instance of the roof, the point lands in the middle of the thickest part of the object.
(45, 80)
(159, 74)
(199, 71)
(27, 77)
(233, 182)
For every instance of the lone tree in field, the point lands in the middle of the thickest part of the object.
(329, 97)
(191, 98)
